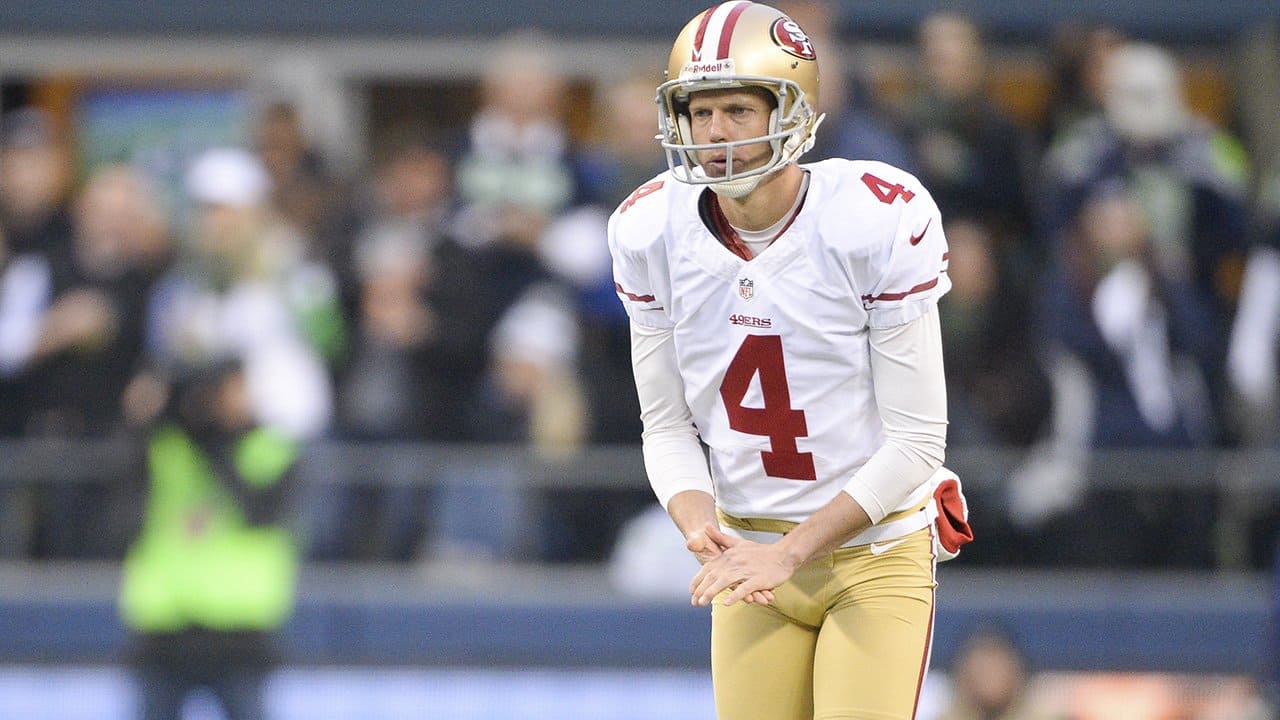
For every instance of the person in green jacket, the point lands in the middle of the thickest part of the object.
(212, 575)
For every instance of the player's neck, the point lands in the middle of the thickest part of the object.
(767, 203)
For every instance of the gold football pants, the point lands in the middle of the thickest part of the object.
(846, 638)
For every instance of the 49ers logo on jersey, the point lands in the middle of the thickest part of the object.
(788, 35)
(750, 321)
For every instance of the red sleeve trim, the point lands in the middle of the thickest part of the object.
(633, 296)
(900, 295)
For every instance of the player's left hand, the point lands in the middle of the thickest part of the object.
(752, 569)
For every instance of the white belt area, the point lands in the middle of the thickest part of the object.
(882, 532)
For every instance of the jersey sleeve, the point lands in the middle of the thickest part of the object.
(635, 242)
(673, 457)
(904, 270)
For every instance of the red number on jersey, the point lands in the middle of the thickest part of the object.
(643, 190)
(885, 192)
(777, 420)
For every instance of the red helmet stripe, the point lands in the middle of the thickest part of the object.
(702, 32)
(726, 33)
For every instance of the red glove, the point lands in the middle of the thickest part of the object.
(952, 525)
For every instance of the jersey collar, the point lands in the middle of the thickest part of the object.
(718, 225)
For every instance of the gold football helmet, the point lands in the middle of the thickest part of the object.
(731, 45)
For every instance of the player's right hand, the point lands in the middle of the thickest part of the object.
(702, 547)
(706, 550)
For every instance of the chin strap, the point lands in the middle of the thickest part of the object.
(740, 187)
(792, 149)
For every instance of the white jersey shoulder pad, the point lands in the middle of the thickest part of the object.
(884, 202)
(637, 242)
(642, 217)
(885, 224)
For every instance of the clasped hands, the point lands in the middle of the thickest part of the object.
(751, 569)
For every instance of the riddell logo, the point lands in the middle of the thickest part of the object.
(711, 67)
(751, 321)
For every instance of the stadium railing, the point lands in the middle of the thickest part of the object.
(513, 613)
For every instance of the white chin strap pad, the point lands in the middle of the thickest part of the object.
(729, 188)
(739, 187)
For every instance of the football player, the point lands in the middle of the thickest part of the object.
(784, 316)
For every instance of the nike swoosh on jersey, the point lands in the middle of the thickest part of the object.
(915, 239)
(882, 548)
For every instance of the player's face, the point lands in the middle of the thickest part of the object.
(717, 116)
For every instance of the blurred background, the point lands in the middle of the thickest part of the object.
(315, 393)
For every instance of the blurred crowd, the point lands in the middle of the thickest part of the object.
(1116, 274)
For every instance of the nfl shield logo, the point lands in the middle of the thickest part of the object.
(746, 288)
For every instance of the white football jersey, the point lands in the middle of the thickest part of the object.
(773, 351)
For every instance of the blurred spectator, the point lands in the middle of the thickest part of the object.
(587, 395)
(990, 681)
(308, 203)
(426, 308)
(997, 394)
(92, 335)
(1188, 174)
(623, 153)
(517, 175)
(91, 347)
(314, 205)
(417, 306)
(519, 172)
(35, 177)
(302, 190)
(1156, 696)
(1077, 54)
(536, 389)
(623, 156)
(35, 221)
(970, 154)
(516, 171)
(1255, 334)
(1255, 342)
(212, 575)
(1131, 352)
(1188, 177)
(1253, 358)
(855, 127)
(531, 394)
(244, 288)
(534, 358)
(975, 160)
(25, 290)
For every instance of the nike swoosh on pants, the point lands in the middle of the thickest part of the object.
(881, 548)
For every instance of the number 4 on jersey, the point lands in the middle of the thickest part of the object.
(642, 191)
(885, 191)
(777, 420)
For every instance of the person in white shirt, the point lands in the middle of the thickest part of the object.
(784, 316)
